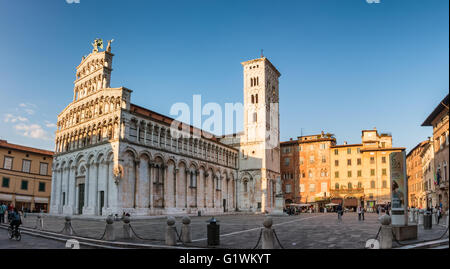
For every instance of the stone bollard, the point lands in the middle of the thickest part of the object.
(186, 230)
(40, 222)
(68, 226)
(127, 234)
(386, 232)
(421, 212)
(171, 232)
(109, 232)
(268, 238)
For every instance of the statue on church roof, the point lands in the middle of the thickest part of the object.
(108, 48)
(98, 42)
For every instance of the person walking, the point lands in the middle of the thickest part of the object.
(362, 212)
(439, 213)
(358, 210)
(339, 211)
(2, 213)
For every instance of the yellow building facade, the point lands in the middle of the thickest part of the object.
(360, 173)
(25, 177)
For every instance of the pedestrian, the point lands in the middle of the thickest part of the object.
(439, 214)
(2, 213)
(362, 212)
(339, 211)
(359, 212)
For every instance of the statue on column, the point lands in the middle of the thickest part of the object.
(117, 173)
(108, 48)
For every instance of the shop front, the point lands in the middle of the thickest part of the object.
(23, 203)
(41, 204)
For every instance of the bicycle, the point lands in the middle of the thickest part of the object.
(14, 233)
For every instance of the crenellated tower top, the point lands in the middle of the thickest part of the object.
(94, 71)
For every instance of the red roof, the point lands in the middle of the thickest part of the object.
(5, 144)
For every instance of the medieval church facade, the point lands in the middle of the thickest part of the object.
(112, 156)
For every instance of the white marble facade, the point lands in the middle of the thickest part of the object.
(113, 157)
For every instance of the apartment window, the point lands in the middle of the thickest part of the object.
(372, 160)
(359, 185)
(358, 161)
(349, 161)
(301, 160)
(42, 186)
(26, 164)
(323, 187)
(312, 187)
(302, 187)
(24, 185)
(372, 172)
(336, 186)
(384, 184)
(288, 188)
(349, 185)
(311, 159)
(310, 174)
(324, 159)
(372, 184)
(384, 172)
(336, 163)
(303, 174)
(5, 182)
(336, 152)
(7, 163)
(359, 173)
(336, 174)
(287, 161)
(349, 151)
(311, 147)
(301, 148)
(349, 173)
(43, 169)
(323, 146)
(383, 144)
(383, 159)
(358, 150)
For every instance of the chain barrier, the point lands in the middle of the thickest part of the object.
(259, 239)
(423, 241)
(142, 238)
(278, 240)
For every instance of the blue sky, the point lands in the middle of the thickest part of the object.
(345, 65)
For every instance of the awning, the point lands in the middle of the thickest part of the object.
(299, 204)
(331, 204)
(5, 197)
(42, 200)
(20, 198)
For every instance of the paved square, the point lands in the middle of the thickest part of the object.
(306, 231)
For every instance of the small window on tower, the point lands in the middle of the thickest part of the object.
(255, 117)
(253, 99)
(256, 98)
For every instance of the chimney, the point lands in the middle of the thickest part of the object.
(345, 142)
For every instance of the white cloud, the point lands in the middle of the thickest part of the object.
(13, 119)
(29, 111)
(49, 124)
(32, 131)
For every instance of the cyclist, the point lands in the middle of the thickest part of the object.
(15, 220)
